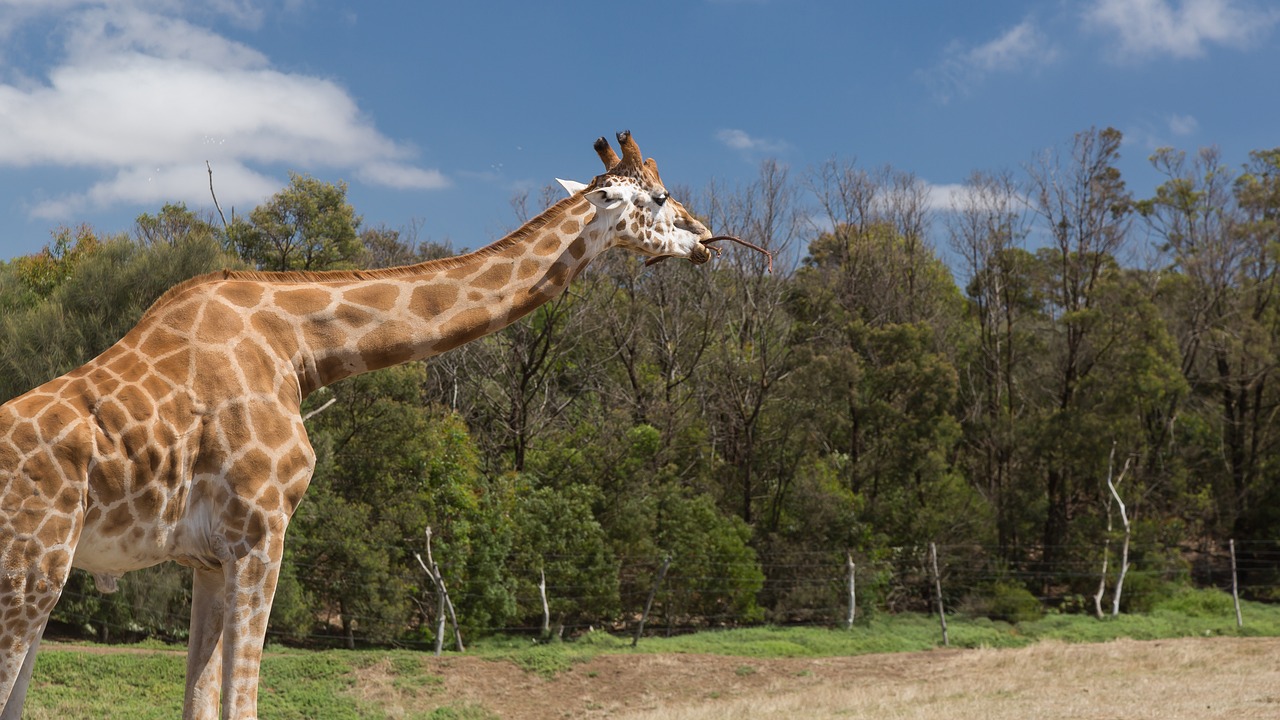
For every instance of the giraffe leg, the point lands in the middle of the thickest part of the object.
(27, 596)
(204, 661)
(251, 585)
(13, 708)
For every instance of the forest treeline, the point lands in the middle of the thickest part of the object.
(979, 376)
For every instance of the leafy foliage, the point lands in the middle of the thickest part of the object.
(758, 429)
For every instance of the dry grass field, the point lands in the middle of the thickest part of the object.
(1120, 680)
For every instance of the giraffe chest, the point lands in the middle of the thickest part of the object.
(143, 451)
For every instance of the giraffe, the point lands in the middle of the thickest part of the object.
(184, 441)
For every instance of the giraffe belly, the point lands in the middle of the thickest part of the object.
(115, 555)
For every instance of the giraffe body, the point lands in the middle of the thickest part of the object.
(184, 441)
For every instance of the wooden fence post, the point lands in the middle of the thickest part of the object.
(937, 585)
(1235, 588)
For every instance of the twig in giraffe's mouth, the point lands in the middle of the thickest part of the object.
(741, 242)
(707, 244)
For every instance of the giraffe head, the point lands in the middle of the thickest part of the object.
(634, 209)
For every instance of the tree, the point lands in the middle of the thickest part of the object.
(306, 226)
(1085, 210)
(391, 464)
(987, 229)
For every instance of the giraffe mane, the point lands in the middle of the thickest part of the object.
(542, 220)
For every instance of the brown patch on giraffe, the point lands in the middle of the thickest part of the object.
(175, 366)
(135, 404)
(250, 355)
(622, 225)
(155, 387)
(269, 499)
(570, 226)
(279, 333)
(428, 301)
(272, 428)
(303, 301)
(212, 372)
(463, 328)
(379, 297)
(116, 521)
(23, 434)
(242, 294)
(56, 561)
(54, 421)
(25, 522)
(129, 367)
(218, 324)
(56, 527)
(353, 316)
(148, 503)
(159, 340)
(249, 472)
(547, 246)
(577, 249)
(332, 368)
(389, 346)
(293, 493)
(495, 278)
(67, 500)
(527, 269)
(254, 572)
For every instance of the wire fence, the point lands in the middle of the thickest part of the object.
(812, 588)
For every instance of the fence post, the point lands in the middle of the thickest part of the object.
(1235, 591)
(853, 597)
(649, 603)
(937, 585)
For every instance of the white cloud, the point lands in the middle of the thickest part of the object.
(1022, 47)
(1183, 125)
(236, 185)
(144, 97)
(946, 197)
(740, 140)
(403, 177)
(1180, 29)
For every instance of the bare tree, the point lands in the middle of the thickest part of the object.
(987, 228)
(754, 350)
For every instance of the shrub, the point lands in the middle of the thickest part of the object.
(1197, 603)
(1005, 601)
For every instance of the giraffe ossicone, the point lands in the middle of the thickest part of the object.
(184, 441)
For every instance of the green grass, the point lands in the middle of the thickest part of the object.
(308, 684)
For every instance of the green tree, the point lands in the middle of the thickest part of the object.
(1085, 208)
(556, 536)
(306, 226)
(392, 464)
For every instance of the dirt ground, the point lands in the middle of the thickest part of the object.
(1183, 678)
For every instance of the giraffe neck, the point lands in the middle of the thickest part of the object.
(424, 310)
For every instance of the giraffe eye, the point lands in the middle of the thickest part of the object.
(661, 198)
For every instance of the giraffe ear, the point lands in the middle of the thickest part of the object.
(571, 186)
(605, 198)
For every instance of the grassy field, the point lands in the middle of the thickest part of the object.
(699, 675)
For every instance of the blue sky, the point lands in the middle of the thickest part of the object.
(437, 113)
